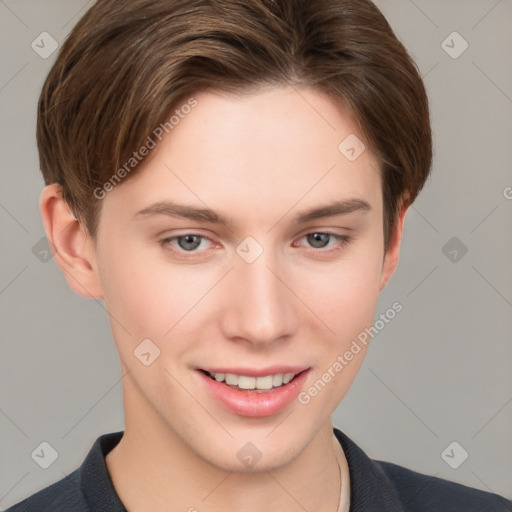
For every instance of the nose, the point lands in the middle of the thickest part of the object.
(259, 305)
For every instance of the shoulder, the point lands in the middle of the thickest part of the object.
(87, 488)
(64, 495)
(388, 487)
(418, 492)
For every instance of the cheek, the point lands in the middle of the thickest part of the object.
(344, 294)
(143, 297)
(343, 298)
(154, 297)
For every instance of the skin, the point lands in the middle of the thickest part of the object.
(258, 159)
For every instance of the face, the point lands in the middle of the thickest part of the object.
(264, 291)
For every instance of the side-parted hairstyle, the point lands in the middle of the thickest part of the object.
(127, 65)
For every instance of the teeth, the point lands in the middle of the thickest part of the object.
(287, 377)
(277, 380)
(263, 382)
(246, 382)
(230, 378)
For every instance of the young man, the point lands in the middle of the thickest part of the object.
(232, 178)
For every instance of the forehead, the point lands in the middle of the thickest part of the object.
(265, 153)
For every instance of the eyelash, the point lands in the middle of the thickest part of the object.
(342, 241)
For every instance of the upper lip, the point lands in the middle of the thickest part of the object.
(256, 372)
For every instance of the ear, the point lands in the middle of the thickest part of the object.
(72, 247)
(392, 255)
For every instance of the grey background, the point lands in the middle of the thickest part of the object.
(438, 373)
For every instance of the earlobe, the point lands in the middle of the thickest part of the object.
(392, 255)
(72, 247)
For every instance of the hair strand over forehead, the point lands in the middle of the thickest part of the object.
(126, 65)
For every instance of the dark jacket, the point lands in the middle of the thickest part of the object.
(375, 486)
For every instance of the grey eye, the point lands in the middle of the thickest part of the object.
(191, 241)
(318, 240)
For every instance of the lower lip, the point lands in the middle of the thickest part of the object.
(251, 403)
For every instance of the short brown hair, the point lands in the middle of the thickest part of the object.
(126, 65)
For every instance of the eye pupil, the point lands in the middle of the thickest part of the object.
(188, 241)
(317, 240)
(318, 237)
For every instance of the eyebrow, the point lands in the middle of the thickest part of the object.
(169, 208)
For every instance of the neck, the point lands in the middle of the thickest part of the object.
(153, 469)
